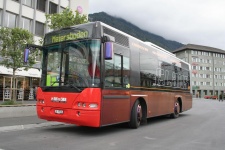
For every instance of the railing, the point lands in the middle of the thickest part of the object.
(21, 94)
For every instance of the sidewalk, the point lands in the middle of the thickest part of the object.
(21, 117)
(27, 108)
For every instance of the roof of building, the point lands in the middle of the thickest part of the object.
(199, 48)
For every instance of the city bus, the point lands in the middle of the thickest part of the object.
(95, 75)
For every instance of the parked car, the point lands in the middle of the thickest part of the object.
(207, 96)
(214, 97)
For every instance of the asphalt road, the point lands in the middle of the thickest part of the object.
(201, 128)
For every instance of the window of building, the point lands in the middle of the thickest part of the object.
(10, 20)
(207, 75)
(26, 23)
(52, 8)
(194, 59)
(194, 67)
(195, 75)
(215, 76)
(41, 5)
(194, 83)
(39, 28)
(27, 2)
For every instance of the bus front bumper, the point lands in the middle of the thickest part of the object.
(89, 118)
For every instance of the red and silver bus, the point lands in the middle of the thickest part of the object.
(95, 75)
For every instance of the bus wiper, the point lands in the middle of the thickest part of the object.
(73, 86)
(56, 82)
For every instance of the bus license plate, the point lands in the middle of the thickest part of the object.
(58, 111)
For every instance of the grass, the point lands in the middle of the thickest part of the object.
(10, 102)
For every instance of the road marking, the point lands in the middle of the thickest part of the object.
(149, 138)
(28, 126)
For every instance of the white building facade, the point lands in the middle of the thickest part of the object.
(207, 69)
(30, 15)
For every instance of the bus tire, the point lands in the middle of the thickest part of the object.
(136, 115)
(176, 112)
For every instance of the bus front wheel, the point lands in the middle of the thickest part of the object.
(136, 115)
(176, 112)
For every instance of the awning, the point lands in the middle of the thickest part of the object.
(32, 72)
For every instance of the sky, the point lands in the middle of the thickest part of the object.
(200, 22)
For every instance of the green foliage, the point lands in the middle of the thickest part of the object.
(10, 102)
(65, 19)
(134, 31)
(14, 42)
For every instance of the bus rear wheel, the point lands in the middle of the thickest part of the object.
(176, 112)
(136, 115)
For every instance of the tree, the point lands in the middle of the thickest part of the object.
(65, 19)
(13, 44)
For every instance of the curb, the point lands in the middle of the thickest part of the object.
(19, 105)
(28, 126)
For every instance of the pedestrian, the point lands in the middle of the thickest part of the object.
(221, 98)
(35, 92)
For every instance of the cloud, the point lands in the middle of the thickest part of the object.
(199, 22)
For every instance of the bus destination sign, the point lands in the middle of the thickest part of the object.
(65, 35)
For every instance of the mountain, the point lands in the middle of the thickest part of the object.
(134, 31)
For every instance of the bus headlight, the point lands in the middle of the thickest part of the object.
(93, 105)
(79, 104)
(84, 105)
(41, 101)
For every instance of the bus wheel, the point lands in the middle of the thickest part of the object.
(136, 115)
(176, 112)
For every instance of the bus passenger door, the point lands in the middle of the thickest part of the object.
(115, 95)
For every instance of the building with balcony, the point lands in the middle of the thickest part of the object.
(30, 15)
(207, 69)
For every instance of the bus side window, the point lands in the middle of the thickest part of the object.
(117, 71)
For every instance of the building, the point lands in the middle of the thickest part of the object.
(208, 69)
(30, 15)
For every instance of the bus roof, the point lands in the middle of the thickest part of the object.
(147, 43)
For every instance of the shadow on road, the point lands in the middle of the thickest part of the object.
(112, 129)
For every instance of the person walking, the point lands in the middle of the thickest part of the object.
(221, 98)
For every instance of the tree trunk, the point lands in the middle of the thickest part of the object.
(14, 91)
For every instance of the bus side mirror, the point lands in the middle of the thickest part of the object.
(27, 50)
(26, 55)
(108, 50)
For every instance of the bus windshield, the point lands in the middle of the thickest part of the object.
(73, 64)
